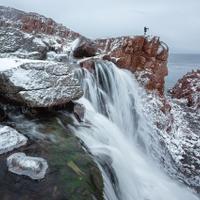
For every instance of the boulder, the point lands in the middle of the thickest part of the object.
(79, 111)
(34, 167)
(88, 64)
(85, 50)
(38, 84)
(3, 114)
(10, 139)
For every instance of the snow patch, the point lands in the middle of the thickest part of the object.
(7, 63)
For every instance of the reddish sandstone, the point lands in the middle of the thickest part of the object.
(139, 54)
(188, 88)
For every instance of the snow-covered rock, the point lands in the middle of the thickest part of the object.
(52, 56)
(174, 143)
(32, 36)
(38, 83)
(15, 43)
(34, 167)
(188, 89)
(10, 139)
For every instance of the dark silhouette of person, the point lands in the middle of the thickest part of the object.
(145, 30)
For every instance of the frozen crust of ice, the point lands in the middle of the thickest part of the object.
(10, 139)
(33, 167)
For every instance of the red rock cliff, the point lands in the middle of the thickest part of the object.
(188, 89)
(146, 57)
(140, 54)
(33, 23)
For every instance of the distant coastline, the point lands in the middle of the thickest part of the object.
(179, 64)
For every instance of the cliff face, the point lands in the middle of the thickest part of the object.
(34, 35)
(185, 102)
(188, 89)
(33, 23)
(144, 56)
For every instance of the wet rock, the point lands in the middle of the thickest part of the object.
(75, 168)
(96, 179)
(3, 115)
(85, 50)
(32, 113)
(88, 64)
(79, 111)
(38, 84)
(10, 139)
(188, 89)
(21, 164)
(61, 181)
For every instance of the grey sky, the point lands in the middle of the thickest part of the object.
(177, 22)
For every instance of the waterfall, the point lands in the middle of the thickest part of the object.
(118, 135)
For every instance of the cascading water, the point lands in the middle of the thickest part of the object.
(118, 135)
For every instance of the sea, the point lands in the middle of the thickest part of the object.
(179, 65)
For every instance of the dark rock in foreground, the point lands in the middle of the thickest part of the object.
(72, 174)
(3, 115)
(85, 50)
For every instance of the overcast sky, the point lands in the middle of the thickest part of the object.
(177, 22)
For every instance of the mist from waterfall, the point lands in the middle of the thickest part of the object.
(118, 135)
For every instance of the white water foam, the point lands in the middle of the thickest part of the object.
(118, 135)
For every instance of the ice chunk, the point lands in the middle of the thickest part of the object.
(34, 167)
(10, 139)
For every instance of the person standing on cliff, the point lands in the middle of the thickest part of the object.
(145, 30)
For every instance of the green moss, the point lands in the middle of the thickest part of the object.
(73, 166)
